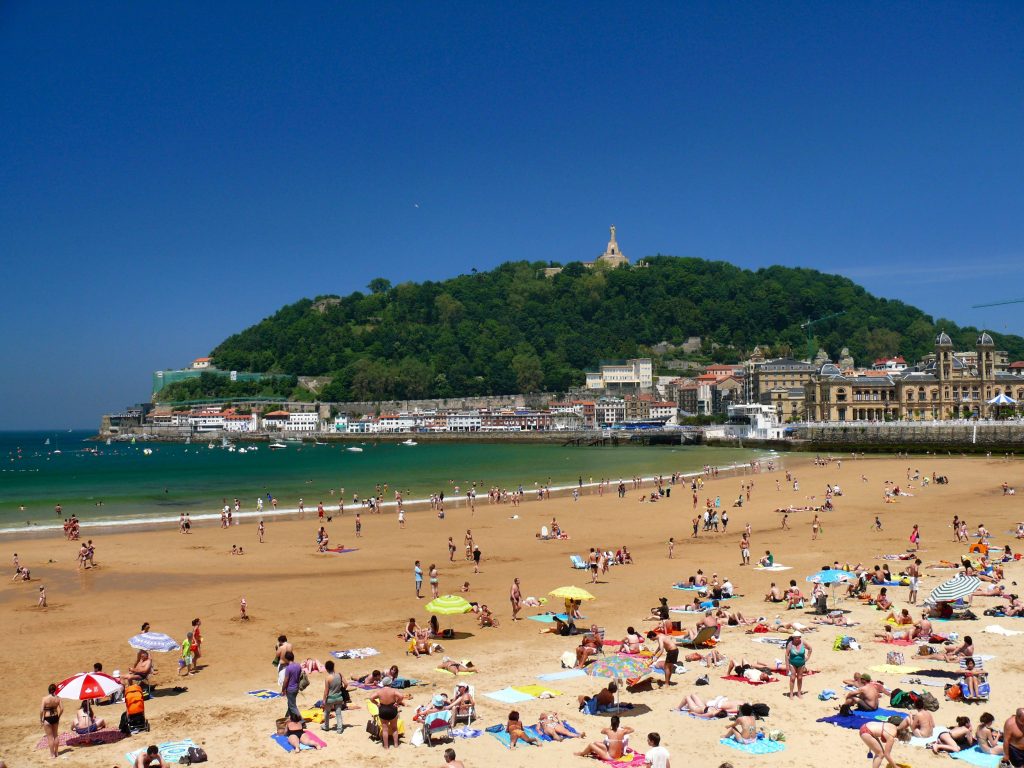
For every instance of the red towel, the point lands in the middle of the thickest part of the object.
(741, 679)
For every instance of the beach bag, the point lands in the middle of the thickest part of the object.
(417, 738)
(930, 702)
(303, 681)
(373, 728)
(194, 755)
(925, 650)
(762, 711)
(895, 658)
(281, 723)
(953, 692)
(898, 698)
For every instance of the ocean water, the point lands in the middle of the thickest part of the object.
(120, 484)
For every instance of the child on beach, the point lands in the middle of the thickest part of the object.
(42, 596)
(241, 610)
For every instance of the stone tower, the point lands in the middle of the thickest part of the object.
(986, 357)
(944, 356)
(612, 257)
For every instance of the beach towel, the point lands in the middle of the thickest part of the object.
(629, 760)
(505, 739)
(461, 673)
(170, 751)
(857, 718)
(897, 642)
(465, 732)
(974, 756)
(759, 747)
(312, 715)
(565, 674)
(776, 567)
(549, 618)
(995, 629)
(741, 679)
(544, 737)
(537, 691)
(689, 589)
(355, 653)
(264, 693)
(509, 696)
(282, 742)
(339, 550)
(779, 641)
(922, 741)
(894, 669)
(72, 739)
(922, 681)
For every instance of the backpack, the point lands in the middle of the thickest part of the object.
(761, 711)
(953, 692)
(930, 702)
(899, 698)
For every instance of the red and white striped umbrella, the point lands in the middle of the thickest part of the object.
(88, 685)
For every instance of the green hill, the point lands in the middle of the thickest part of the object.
(513, 330)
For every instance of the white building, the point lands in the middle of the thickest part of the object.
(396, 422)
(202, 362)
(240, 422)
(302, 422)
(664, 410)
(206, 421)
(610, 410)
(632, 374)
(464, 421)
(752, 421)
(341, 422)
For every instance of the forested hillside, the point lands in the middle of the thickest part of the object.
(513, 330)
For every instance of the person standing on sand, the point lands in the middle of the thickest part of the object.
(417, 575)
(914, 572)
(476, 559)
(469, 544)
(49, 717)
(359, 526)
(515, 596)
(744, 549)
(42, 596)
(260, 530)
(451, 550)
(671, 547)
(290, 683)
(915, 537)
(665, 644)
(1013, 740)
(432, 573)
(815, 527)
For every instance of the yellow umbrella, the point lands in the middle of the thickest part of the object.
(572, 593)
(449, 605)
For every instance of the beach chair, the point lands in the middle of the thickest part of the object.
(578, 562)
(703, 638)
(984, 688)
(373, 726)
(600, 636)
(468, 711)
(437, 726)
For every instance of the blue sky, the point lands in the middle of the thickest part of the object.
(171, 174)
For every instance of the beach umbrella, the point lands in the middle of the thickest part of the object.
(617, 667)
(572, 593)
(1002, 399)
(154, 641)
(449, 605)
(954, 589)
(91, 685)
(829, 576)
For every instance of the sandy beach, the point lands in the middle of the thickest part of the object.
(326, 602)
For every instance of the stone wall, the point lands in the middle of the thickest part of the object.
(978, 437)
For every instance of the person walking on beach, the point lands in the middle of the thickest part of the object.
(469, 544)
(666, 644)
(49, 717)
(432, 574)
(797, 653)
(671, 547)
(451, 550)
(515, 596)
(260, 530)
(42, 596)
(914, 572)
(417, 574)
(744, 549)
(476, 559)
(915, 537)
(290, 684)
(359, 526)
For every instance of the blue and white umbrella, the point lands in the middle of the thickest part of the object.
(154, 641)
(954, 589)
(1002, 399)
(830, 576)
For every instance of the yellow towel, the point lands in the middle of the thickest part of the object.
(312, 715)
(535, 690)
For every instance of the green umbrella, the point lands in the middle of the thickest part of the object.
(449, 605)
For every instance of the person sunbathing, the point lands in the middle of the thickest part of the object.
(614, 744)
(971, 678)
(744, 729)
(986, 737)
(710, 659)
(462, 702)
(922, 724)
(486, 618)
(888, 634)
(864, 698)
(923, 628)
(960, 736)
(633, 642)
(140, 670)
(903, 619)
(835, 618)
(455, 667)
(754, 671)
(966, 649)
(774, 595)
(794, 597)
(551, 725)
(420, 645)
(861, 679)
(295, 732)
(603, 699)
(371, 678)
(589, 646)
(85, 722)
(718, 706)
(559, 627)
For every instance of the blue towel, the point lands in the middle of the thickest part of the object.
(282, 741)
(503, 737)
(549, 618)
(975, 757)
(689, 589)
(534, 730)
(170, 751)
(466, 732)
(759, 747)
(565, 674)
(855, 720)
(509, 696)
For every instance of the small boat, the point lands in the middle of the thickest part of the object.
(275, 446)
(409, 442)
(354, 449)
(147, 451)
(319, 442)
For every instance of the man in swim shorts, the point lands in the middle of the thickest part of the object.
(1013, 740)
(666, 645)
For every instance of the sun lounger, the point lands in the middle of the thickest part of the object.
(703, 638)
(436, 726)
(984, 688)
(578, 562)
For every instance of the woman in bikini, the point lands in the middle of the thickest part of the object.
(433, 580)
(86, 722)
(295, 732)
(551, 726)
(881, 735)
(49, 717)
(960, 736)
(614, 744)
(744, 729)
(516, 732)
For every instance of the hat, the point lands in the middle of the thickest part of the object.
(797, 634)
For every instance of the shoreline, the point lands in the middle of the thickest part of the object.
(293, 513)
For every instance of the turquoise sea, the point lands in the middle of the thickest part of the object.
(121, 484)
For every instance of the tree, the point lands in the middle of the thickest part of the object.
(379, 285)
(529, 375)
